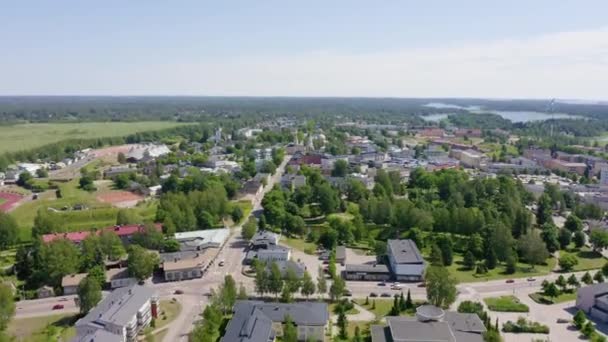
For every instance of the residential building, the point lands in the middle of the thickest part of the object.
(187, 265)
(70, 282)
(264, 239)
(431, 324)
(405, 260)
(199, 240)
(270, 253)
(558, 164)
(114, 171)
(250, 190)
(120, 316)
(593, 300)
(293, 182)
(255, 321)
(298, 268)
(119, 277)
(468, 158)
(148, 151)
(45, 292)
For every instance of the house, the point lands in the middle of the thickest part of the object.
(371, 272)
(431, 324)
(312, 160)
(593, 300)
(255, 321)
(405, 260)
(119, 277)
(264, 239)
(250, 190)
(298, 268)
(126, 232)
(120, 316)
(187, 265)
(70, 283)
(293, 182)
(199, 240)
(45, 292)
(268, 254)
(114, 171)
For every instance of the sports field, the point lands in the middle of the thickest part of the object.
(28, 136)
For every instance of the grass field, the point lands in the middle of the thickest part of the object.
(29, 136)
(96, 216)
(41, 329)
(542, 299)
(506, 304)
(587, 258)
(523, 271)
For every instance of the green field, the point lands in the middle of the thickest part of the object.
(587, 258)
(97, 215)
(563, 297)
(47, 328)
(506, 304)
(28, 136)
(523, 270)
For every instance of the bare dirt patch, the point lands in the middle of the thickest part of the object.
(9, 200)
(120, 199)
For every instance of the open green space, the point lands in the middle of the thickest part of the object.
(379, 307)
(7, 258)
(96, 215)
(28, 136)
(300, 244)
(506, 304)
(563, 297)
(587, 258)
(46, 328)
(523, 270)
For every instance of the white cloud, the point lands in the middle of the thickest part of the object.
(563, 65)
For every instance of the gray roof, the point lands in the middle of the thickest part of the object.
(252, 320)
(340, 252)
(405, 251)
(455, 327)
(284, 265)
(119, 306)
(367, 268)
(98, 335)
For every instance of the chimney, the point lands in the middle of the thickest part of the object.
(154, 308)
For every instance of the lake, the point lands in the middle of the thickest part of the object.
(513, 116)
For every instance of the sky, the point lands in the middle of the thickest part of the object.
(431, 48)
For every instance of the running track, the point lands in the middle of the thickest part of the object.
(9, 201)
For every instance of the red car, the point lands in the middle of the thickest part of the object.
(57, 307)
(510, 281)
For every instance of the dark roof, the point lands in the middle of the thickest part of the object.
(405, 251)
(380, 334)
(284, 265)
(248, 326)
(367, 268)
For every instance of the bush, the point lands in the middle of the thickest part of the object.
(524, 326)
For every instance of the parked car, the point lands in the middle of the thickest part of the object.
(563, 321)
(422, 285)
(348, 293)
(373, 294)
(57, 307)
(382, 284)
(396, 287)
(221, 263)
(178, 292)
(531, 279)
(385, 295)
(510, 281)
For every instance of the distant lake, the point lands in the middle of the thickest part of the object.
(513, 116)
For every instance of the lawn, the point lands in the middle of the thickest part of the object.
(299, 244)
(383, 306)
(42, 329)
(563, 297)
(352, 311)
(342, 216)
(169, 310)
(28, 136)
(587, 258)
(523, 270)
(2, 200)
(97, 215)
(506, 304)
(7, 258)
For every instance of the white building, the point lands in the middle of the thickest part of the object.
(274, 253)
(202, 239)
(593, 300)
(120, 316)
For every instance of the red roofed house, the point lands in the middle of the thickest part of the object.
(309, 159)
(432, 132)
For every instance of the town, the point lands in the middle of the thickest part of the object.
(294, 230)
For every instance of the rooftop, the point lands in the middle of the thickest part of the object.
(72, 279)
(205, 236)
(405, 251)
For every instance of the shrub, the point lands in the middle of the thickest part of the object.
(524, 326)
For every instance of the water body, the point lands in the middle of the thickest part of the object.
(513, 116)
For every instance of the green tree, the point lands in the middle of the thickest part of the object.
(587, 279)
(7, 306)
(127, 216)
(550, 237)
(98, 274)
(357, 337)
(435, 258)
(89, 294)
(242, 293)
(579, 239)
(149, 237)
(579, 319)
(572, 281)
(511, 263)
(445, 245)
(551, 290)
(58, 259)
(340, 168)
(440, 286)
(409, 304)
(342, 323)
(227, 294)
(598, 277)
(588, 329)
(141, 263)
(567, 262)
(598, 239)
(261, 278)
(321, 282)
(308, 286)
(573, 224)
(561, 282)
(565, 237)
(171, 246)
(544, 210)
(290, 333)
(337, 288)
(9, 231)
(249, 229)
(533, 249)
(469, 260)
(111, 245)
(275, 280)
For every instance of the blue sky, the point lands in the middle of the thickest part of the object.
(315, 48)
